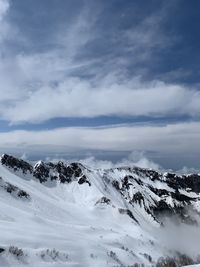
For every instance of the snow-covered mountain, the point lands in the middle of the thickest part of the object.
(59, 214)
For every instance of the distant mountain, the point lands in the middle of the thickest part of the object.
(59, 214)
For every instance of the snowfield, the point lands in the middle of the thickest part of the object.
(70, 215)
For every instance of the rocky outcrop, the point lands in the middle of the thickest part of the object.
(83, 180)
(129, 213)
(190, 182)
(104, 200)
(16, 164)
(47, 171)
(41, 171)
(2, 250)
(58, 171)
(13, 190)
(159, 194)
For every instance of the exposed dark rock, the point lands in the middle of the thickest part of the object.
(148, 257)
(41, 172)
(157, 208)
(17, 252)
(63, 173)
(159, 192)
(193, 182)
(178, 261)
(138, 181)
(76, 167)
(83, 180)
(162, 207)
(129, 213)
(103, 200)
(16, 164)
(115, 184)
(2, 250)
(170, 176)
(53, 177)
(13, 190)
(125, 181)
(153, 175)
(54, 255)
(64, 179)
(137, 198)
(23, 194)
(10, 188)
(180, 197)
(183, 182)
(70, 172)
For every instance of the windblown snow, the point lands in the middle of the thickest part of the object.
(59, 214)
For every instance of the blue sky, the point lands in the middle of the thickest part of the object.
(102, 78)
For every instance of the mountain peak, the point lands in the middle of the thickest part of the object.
(127, 205)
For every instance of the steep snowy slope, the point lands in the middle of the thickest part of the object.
(70, 215)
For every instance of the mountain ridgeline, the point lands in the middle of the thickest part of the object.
(132, 214)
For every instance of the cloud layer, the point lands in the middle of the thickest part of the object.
(172, 138)
(62, 81)
(97, 61)
(79, 98)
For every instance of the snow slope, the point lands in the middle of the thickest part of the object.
(70, 215)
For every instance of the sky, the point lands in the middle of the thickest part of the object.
(101, 79)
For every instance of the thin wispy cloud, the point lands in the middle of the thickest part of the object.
(4, 6)
(53, 80)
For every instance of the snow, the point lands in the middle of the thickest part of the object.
(65, 218)
(62, 225)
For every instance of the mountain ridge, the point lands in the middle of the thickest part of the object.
(135, 200)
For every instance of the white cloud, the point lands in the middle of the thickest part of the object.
(139, 159)
(174, 139)
(63, 82)
(76, 97)
(135, 158)
(35, 87)
(4, 6)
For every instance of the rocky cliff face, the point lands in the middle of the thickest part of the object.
(16, 164)
(44, 171)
